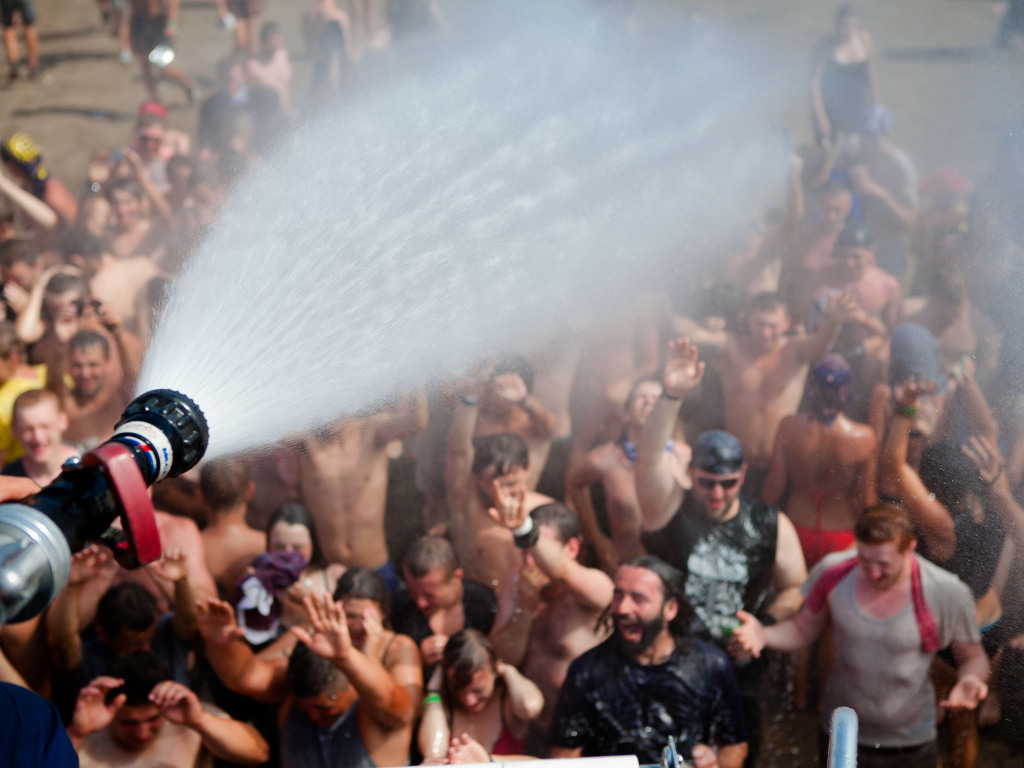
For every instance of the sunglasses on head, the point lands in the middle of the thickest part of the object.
(707, 483)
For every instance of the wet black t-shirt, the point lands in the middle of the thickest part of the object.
(610, 705)
(478, 604)
(728, 565)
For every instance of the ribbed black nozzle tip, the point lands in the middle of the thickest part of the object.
(179, 419)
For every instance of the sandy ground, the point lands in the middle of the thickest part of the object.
(951, 92)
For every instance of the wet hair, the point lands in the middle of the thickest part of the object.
(18, 251)
(502, 453)
(363, 583)
(883, 523)
(65, 283)
(950, 475)
(673, 587)
(10, 342)
(466, 653)
(88, 340)
(141, 671)
(293, 513)
(79, 241)
(125, 607)
(224, 483)
(310, 675)
(766, 301)
(559, 517)
(34, 397)
(513, 362)
(428, 553)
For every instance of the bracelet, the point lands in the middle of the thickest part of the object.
(95, 187)
(432, 698)
(667, 396)
(907, 411)
(471, 400)
(526, 535)
(995, 477)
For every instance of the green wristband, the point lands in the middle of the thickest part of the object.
(432, 698)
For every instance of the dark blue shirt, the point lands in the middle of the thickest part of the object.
(610, 705)
(31, 735)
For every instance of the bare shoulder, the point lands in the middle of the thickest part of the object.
(534, 500)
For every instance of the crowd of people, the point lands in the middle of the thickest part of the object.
(580, 547)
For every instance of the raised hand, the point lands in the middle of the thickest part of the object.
(330, 638)
(986, 457)
(373, 625)
(683, 370)
(172, 567)
(510, 387)
(509, 508)
(87, 564)
(177, 703)
(217, 623)
(92, 713)
(15, 296)
(966, 694)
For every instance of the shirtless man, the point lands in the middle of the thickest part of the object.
(343, 481)
(827, 461)
(141, 717)
(763, 373)
(876, 293)
(813, 244)
(38, 424)
(115, 282)
(230, 544)
(100, 395)
(437, 602)
(611, 464)
(506, 405)
(478, 473)
(565, 624)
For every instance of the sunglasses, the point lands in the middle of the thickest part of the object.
(707, 483)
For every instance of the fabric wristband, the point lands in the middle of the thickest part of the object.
(432, 698)
(471, 400)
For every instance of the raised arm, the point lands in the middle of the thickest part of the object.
(458, 470)
(224, 737)
(174, 568)
(38, 211)
(388, 703)
(434, 733)
(898, 481)
(233, 660)
(657, 490)
(984, 452)
(524, 701)
(778, 471)
(584, 472)
(62, 625)
(589, 586)
(407, 418)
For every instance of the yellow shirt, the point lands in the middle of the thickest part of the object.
(9, 392)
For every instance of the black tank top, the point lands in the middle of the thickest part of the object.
(728, 565)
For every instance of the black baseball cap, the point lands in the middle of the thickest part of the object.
(717, 453)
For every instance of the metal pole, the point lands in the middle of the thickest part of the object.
(842, 744)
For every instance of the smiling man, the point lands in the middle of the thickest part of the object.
(650, 680)
(39, 423)
(736, 551)
(891, 611)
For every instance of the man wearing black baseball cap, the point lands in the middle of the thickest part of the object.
(735, 550)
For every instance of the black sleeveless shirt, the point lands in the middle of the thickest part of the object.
(728, 565)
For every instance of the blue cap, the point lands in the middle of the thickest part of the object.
(717, 453)
(913, 353)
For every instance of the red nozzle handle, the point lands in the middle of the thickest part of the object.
(141, 544)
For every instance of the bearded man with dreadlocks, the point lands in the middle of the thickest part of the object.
(651, 680)
(826, 462)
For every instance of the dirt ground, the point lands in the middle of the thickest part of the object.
(951, 93)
